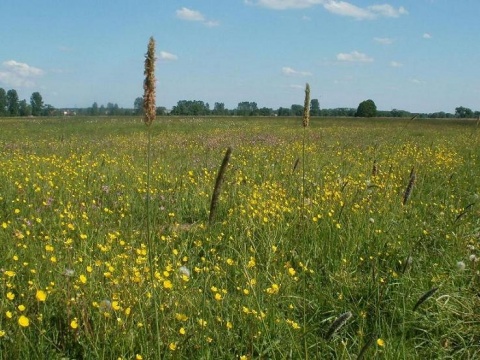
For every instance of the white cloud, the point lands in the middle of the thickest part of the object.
(427, 36)
(189, 15)
(167, 56)
(337, 7)
(194, 15)
(354, 56)
(19, 74)
(395, 64)
(289, 71)
(383, 41)
(294, 86)
(387, 10)
(285, 4)
(344, 8)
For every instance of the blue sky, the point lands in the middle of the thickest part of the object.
(415, 55)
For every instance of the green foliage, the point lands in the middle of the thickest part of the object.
(314, 107)
(463, 112)
(246, 108)
(366, 108)
(3, 102)
(36, 103)
(188, 107)
(12, 103)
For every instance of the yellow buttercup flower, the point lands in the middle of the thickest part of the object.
(23, 321)
(41, 295)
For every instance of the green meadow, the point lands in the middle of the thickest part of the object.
(347, 239)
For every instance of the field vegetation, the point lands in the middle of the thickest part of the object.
(348, 239)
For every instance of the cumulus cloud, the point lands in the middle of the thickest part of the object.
(167, 56)
(189, 15)
(383, 41)
(17, 74)
(285, 4)
(194, 15)
(354, 56)
(337, 7)
(289, 71)
(344, 8)
(427, 36)
(387, 10)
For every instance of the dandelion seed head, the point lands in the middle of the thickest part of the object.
(460, 265)
(183, 270)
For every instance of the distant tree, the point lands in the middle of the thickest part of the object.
(366, 108)
(283, 111)
(24, 109)
(314, 107)
(438, 115)
(138, 106)
(463, 112)
(161, 110)
(48, 110)
(94, 109)
(219, 109)
(36, 102)
(246, 108)
(12, 102)
(3, 102)
(400, 113)
(189, 107)
(264, 111)
(296, 110)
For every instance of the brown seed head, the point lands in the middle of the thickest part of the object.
(149, 84)
(306, 107)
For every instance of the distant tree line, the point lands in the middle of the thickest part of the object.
(10, 105)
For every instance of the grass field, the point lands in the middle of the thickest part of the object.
(367, 246)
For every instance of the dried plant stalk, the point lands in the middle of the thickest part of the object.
(306, 107)
(218, 184)
(408, 190)
(365, 347)
(149, 84)
(374, 168)
(337, 324)
(425, 297)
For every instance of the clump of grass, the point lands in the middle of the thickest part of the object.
(338, 324)
(218, 185)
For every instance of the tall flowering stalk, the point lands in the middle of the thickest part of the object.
(149, 115)
(149, 84)
(305, 123)
(306, 107)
